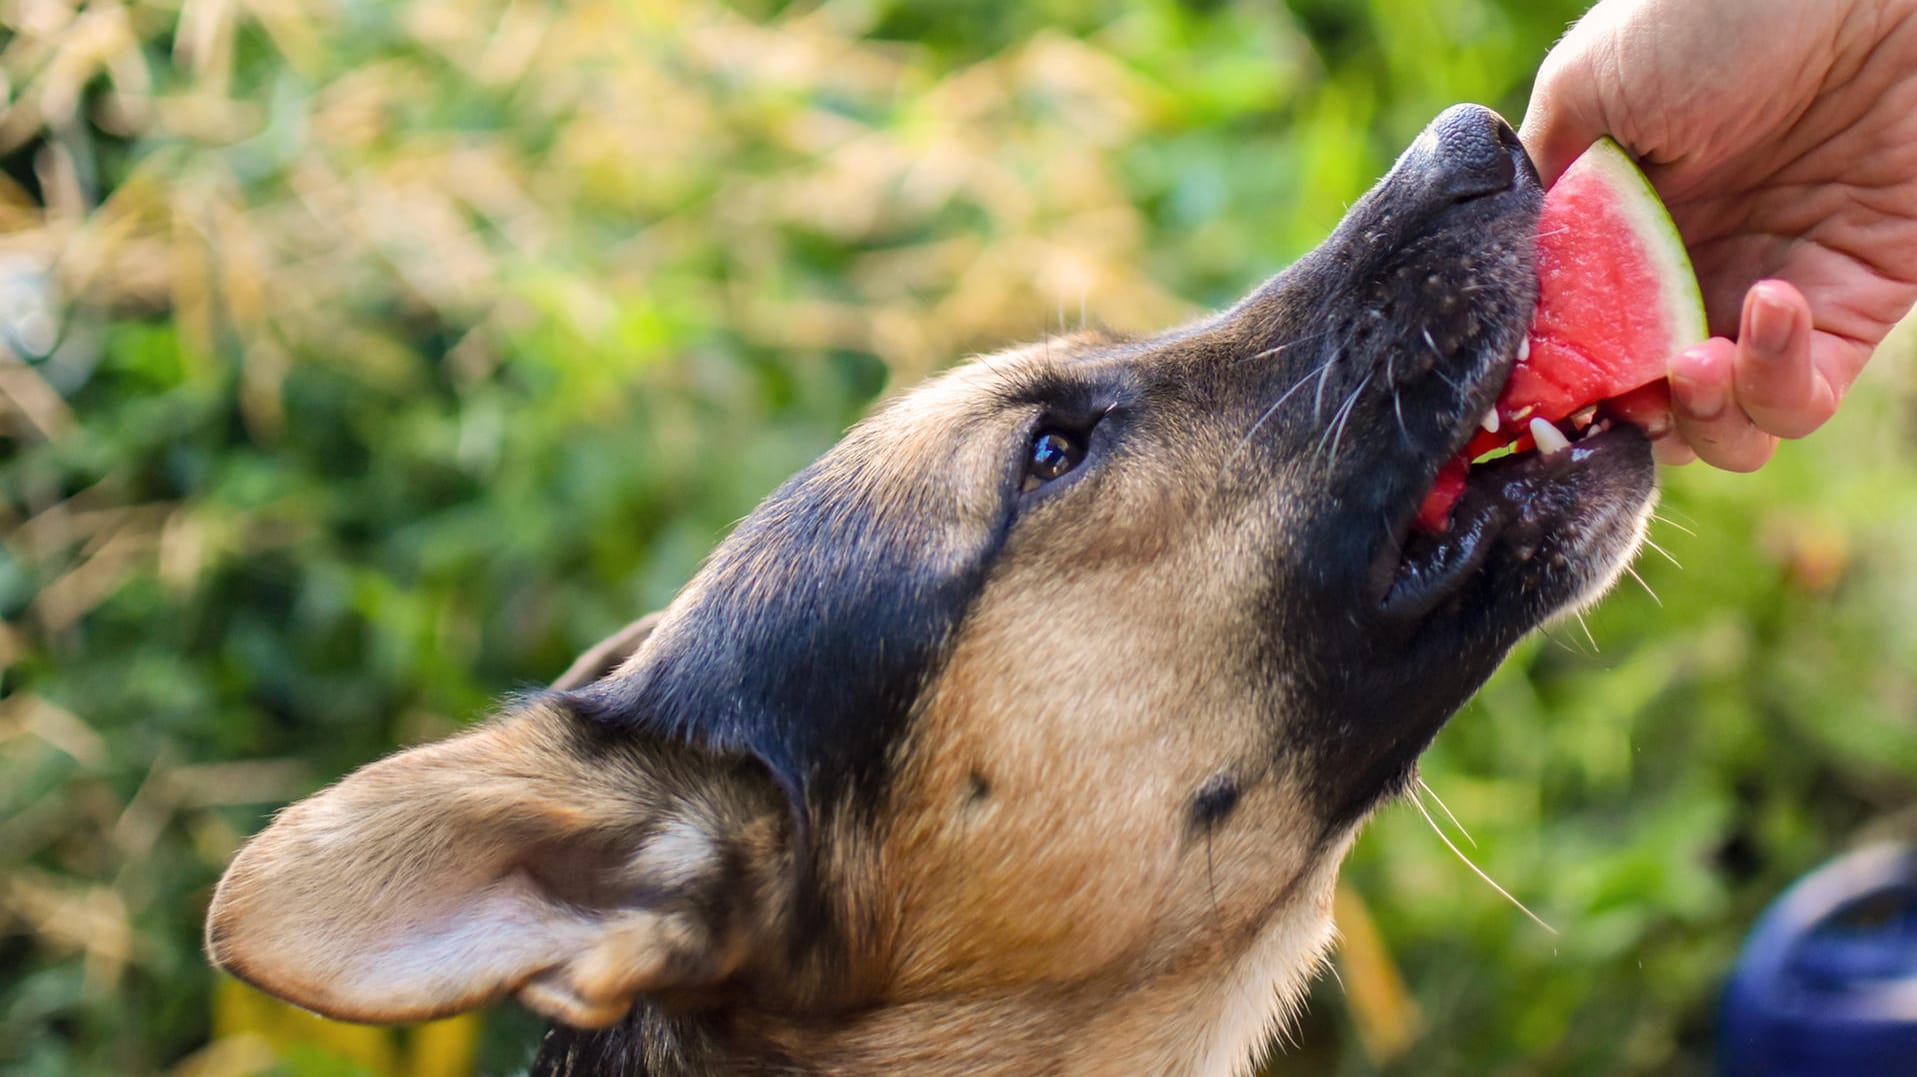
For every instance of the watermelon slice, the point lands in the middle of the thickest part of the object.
(1616, 299)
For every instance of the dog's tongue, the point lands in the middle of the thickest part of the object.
(1616, 299)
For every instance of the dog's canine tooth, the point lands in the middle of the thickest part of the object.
(1524, 351)
(1550, 440)
(1490, 421)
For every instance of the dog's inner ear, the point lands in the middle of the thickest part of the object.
(534, 855)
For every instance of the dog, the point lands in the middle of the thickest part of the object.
(1025, 730)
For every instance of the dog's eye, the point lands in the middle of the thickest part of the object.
(1053, 454)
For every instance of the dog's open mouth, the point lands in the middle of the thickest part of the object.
(1523, 501)
(1517, 502)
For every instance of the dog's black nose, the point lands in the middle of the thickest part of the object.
(1472, 152)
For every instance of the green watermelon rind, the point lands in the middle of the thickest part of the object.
(1638, 203)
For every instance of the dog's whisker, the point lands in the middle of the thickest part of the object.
(1332, 967)
(1267, 353)
(1318, 398)
(1336, 431)
(1661, 551)
(1478, 871)
(1663, 519)
(1586, 625)
(1280, 349)
(1558, 641)
(1647, 587)
(1245, 441)
(1007, 382)
(1442, 806)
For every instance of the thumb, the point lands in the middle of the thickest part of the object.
(1578, 90)
(1564, 115)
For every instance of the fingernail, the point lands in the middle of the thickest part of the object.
(1770, 326)
(1704, 400)
(1707, 401)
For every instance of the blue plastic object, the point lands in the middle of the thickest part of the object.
(1827, 983)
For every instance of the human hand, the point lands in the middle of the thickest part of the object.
(1782, 135)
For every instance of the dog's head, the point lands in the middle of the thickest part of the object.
(1066, 677)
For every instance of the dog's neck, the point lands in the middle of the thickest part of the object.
(1209, 1018)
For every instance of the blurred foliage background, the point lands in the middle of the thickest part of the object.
(365, 359)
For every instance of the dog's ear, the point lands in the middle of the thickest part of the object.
(606, 655)
(534, 855)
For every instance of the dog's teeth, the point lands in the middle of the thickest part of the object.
(1490, 421)
(1524, 349)
(1550, 440)
(1583, 418)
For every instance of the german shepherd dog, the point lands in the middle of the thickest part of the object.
(1024, 731)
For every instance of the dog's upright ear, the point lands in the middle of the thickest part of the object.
(538, 855)
(607, 655)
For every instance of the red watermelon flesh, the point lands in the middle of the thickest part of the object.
(1616, 299)
(1435, 513)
